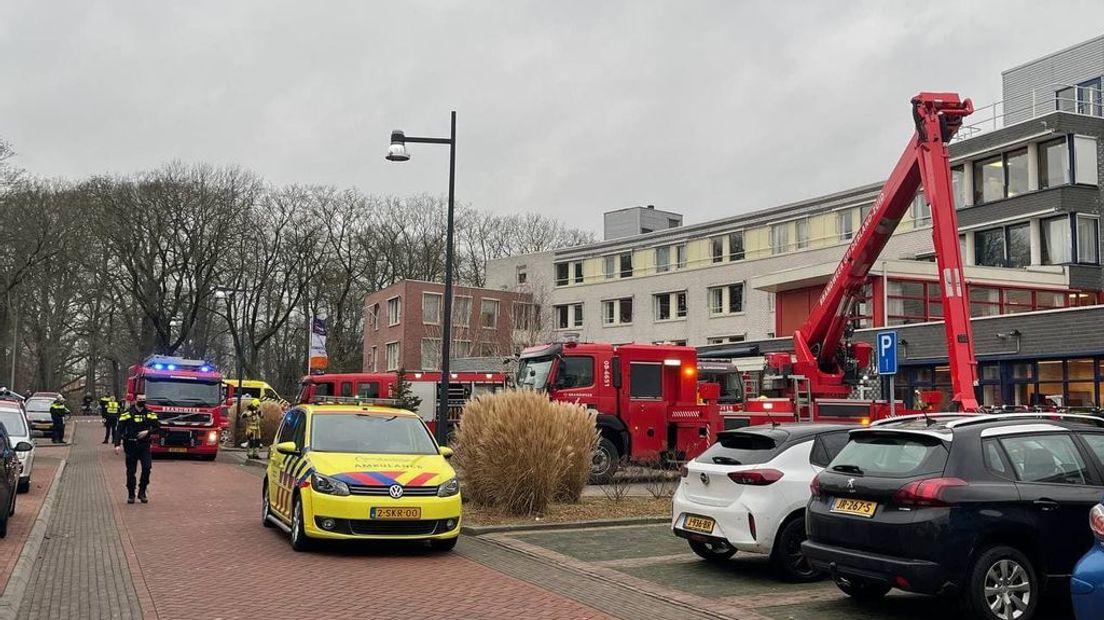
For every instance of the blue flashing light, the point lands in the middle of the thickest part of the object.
(204, 369)
(172, 366)
(158, 366)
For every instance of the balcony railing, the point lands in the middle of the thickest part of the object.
(1070, 98)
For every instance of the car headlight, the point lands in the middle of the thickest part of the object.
(449, 488)
(329, 486)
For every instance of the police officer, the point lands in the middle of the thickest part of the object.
(58, 411)
(252, 418)
(135, 427)
(111, 419)
(103, 404)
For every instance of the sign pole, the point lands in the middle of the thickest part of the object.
(892, 397)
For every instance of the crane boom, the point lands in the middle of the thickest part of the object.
(819, 348)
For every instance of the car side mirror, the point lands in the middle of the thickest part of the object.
(287, 447)
(446, 452)
(23, 446)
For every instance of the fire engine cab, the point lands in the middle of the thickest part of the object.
(646, 397)
(187, 396)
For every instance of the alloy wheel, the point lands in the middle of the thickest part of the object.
(1007, 589)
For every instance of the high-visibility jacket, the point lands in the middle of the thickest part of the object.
(134, 421)
(58, 410)
(113, 407)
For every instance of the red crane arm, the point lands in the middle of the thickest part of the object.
(925, 160)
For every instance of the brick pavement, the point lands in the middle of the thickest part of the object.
(81, 571)
(26, 511)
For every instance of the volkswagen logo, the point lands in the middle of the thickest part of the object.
(704, 478)
(395, 491)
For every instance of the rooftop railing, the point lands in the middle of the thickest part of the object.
(1083, 100)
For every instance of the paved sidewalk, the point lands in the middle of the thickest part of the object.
(27, 506)
(81, 571)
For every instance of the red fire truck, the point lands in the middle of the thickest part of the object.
(646, 397)
(187, 396)
(463, 386)
(816, 381)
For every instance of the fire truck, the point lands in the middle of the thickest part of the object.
(647, 398)
(463, 386)
(816, 381)
(186, 394)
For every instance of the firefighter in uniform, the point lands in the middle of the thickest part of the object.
(58, 411)
(135, 427)
(111, 419)
(252, 418)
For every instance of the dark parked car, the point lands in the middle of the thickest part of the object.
(988, 507)
(9, 477)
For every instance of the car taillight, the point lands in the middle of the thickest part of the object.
(683, 472)
(756, 477)
(926, 492)
(1096, 521)
(814, 486)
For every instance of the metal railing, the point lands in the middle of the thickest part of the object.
(1057, 96)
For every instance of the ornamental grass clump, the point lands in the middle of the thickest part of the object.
(519, 451)
(272, 412)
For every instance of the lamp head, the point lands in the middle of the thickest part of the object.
(397, 151)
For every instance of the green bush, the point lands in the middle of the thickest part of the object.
(518, 451)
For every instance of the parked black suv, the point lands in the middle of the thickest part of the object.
(9, 477)
(989, 507)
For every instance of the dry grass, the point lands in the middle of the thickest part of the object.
(520, 451)
(588, 509)
(271, 414)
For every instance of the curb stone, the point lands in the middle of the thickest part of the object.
(20, 575)
(480, 530)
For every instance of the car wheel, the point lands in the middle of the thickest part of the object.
(266, 508)
(1002, 586)
(786, 556)
(444, 544)
(863, 590)
(24, 486)
(299, 539)
(604, 463)
(713, 551)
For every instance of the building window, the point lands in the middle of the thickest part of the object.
(921, 210)
(958, 185)
(726, 299)
(394, 310)
(609, 266)
(736, 246)
(908, 302)
(1084, 160)
(461, 310)
(1054, 163)
(431, 353)
(1015, 168)
(802, 228)
(716, 249)
(562, 274)
(670, 305)
(845, 225)
(1088, 97)
(488, 313)
(522, 275)
(392, 356)
(989, 247)
(726, 339)
(680, 255)
(568, 316)
(617, 311)
(1019, 245)
(526, 316)
(1057, 241)
(988, 180)
(985, 301)
(780, 238)
(663, 259)
(578, 268)
(673, 223)
(374, 316)
(1065, 100)
(431, 308)
(626, 264)
(1088, 240)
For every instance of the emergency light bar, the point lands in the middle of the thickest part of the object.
(166, 362)
(353, 400)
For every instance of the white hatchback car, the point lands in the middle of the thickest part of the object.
(748, 492)
(15, 423)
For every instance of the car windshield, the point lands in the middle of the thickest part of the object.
(533, 372)
(248, 392)
(370, 434)
(13, 422)
(741, 448)
(184, 393)
(39, 405)
(891, 455)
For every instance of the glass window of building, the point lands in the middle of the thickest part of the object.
(1017, 300)
(1057, 241)
(1065, 99)
(680, 255)
(1019, 245)
(617, 311)
(780, 238)
(958, 185)
(488, 313)
(578, 267)
(626, 265)
(663, 259)
(845, 224)
(716, 249)
(394, 310)
(1088, 97)
(670, 306)
(1088, 240)
(736, 298)
(984, 301)
(921, 210)
(609, 266)
(461, 309)
(736, 246)
(989, 247)
(726, 299)
(988, 179)
(1053, 163)
(716, 301)
(562, 272)
(801, 227)
(1015, 166)
(1084, 160)
(431, 308)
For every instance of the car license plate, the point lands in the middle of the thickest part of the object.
(395, 513)
(178, 449)
(699, 524)
(858, 507)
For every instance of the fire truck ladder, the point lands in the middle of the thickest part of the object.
(802, 398)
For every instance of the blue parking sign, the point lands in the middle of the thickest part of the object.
(887, 353)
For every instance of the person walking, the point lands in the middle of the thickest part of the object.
(135, 427)
(111, 419)
(58, 411)
(252, 418)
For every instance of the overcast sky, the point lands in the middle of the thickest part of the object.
(567, 108)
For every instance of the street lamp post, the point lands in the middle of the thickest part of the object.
(397, 152)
